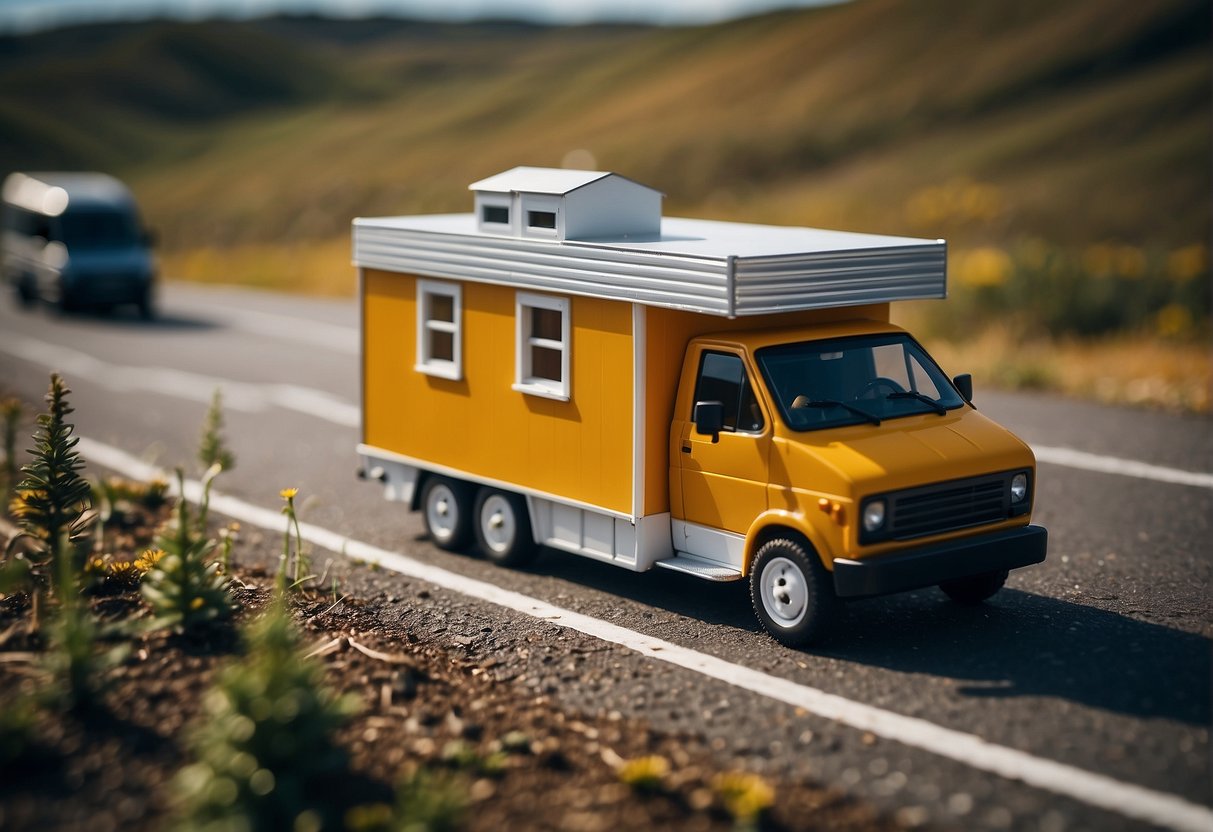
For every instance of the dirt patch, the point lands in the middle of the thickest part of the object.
(515, 755)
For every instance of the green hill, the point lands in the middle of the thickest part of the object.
(1081, 121)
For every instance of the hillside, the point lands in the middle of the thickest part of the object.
(1080, 122)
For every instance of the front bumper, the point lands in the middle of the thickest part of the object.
(931, 565)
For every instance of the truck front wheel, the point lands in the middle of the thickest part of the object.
(503, 528)
(791, 592)
(975, 589)
(446, 506)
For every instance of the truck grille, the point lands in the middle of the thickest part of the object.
(945, 506)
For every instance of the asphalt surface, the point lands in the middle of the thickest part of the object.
(1098, 659)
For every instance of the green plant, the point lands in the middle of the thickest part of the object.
(10, 415)
(299, 564)
(17, 729)
(265, 754)
(52, 502)
(213, 449)
(183, 589)
(428, 801)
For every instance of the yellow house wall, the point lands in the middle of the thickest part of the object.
(580, 449)
(667, 333)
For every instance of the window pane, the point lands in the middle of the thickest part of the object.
(496, 213)
(545, 363)
(442, 346)
(442, 308)
(541, 219)
(720, 380)
(546, 323)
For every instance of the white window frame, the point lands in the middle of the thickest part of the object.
(496, 201)
(426, 363)
(524, 381)
(546, 204)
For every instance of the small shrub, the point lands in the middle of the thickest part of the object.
(265, 754)
(183, 589)
(213, 449)
(52, 502)
(10, 416)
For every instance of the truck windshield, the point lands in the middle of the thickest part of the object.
(847, 381)
(98, 229)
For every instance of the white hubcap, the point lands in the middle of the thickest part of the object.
(441, 513)
(785, 595)
(497, 523)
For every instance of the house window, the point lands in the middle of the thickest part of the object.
(439, 320)
(542, 349)
(541, 219)
(496, 214)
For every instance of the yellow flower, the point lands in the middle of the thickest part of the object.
(148, 560)
(288, 493)
(745, 796)
(196, 604)
(644, 773)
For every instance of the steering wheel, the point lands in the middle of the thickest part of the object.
(873, 387)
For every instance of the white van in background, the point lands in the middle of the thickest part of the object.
(75, 240)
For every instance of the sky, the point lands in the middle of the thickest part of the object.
(27, 15)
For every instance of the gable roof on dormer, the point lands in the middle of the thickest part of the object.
(555, 181)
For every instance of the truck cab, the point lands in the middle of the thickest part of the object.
(840, 461)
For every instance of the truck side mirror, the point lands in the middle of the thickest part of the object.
(964, 383)
(709, 419)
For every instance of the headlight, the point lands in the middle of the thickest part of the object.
(1019, 488)
(873, 515)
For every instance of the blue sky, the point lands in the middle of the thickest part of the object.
(24, 15)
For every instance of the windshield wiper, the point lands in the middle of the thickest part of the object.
(871, 417)
(914, 394)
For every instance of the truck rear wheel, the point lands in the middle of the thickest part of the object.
(975, 589)
(791, 592)
(503, 528)
(446, 506)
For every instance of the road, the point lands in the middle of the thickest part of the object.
(1095, 663)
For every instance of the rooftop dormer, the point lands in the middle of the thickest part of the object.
(558, 204)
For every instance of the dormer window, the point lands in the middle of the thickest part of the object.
(496, 215)
(541, 219)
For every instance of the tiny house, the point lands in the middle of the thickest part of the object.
(565, 367)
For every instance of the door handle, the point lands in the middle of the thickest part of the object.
(686, 449)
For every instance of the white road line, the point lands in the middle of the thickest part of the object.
(1125, 467)
(237, 395)
(1096, 790)
(322, 405)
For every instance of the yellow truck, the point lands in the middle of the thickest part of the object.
(565, 367)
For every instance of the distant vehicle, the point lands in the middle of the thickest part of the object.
(75, 240)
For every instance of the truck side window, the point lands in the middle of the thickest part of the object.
(722, 378)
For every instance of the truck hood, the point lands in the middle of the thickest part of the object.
(900, 453)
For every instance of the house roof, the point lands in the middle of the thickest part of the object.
(542, 180)
(718, 268)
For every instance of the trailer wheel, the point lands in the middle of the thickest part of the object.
(975, 589)
(503, 528)
(791, 592)
(446, 507)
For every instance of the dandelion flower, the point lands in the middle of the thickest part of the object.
(288, 493)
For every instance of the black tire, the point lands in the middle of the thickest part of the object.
(974, 589)
(147, 305)
(446, 509)
(792, 593)
(503, 528)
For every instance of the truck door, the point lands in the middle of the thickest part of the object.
(724, 483)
